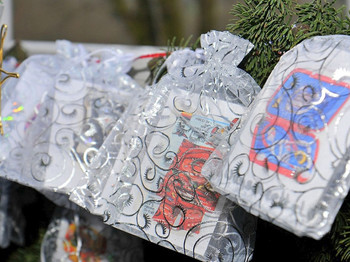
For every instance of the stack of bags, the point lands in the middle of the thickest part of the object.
(187, 160)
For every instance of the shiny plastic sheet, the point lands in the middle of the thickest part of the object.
(290, 163)
(147, 174)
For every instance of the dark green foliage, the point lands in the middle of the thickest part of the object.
(275, 26)
(320, 18)
(340, 234)
(267, 24)
(29, 253)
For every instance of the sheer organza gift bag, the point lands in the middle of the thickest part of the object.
(146, 178)
(20, 100)
(289, 163)
(74, 99)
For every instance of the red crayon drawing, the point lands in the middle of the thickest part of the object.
(187, 194)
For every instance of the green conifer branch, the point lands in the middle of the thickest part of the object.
(275, 26)
(267, 24)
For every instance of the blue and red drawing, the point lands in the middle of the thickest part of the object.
(286, 139)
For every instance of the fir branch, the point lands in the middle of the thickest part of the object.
(320, 18)
(322, 256)
(340, 234)
(267, 24)
(270, 26)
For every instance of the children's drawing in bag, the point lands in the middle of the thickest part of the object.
(288, 164)
(155, 188)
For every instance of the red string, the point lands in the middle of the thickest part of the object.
(153, 55)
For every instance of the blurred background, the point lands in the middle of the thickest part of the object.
(129, 22)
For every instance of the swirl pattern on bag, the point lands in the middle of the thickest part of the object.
(288, 164)
(147, 175)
